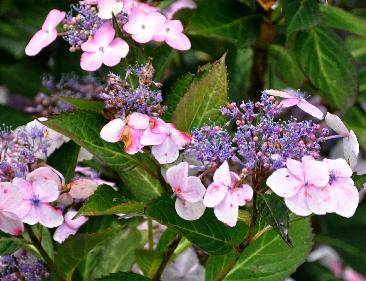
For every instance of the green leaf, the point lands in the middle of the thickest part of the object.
(65, 159)
(268, 258)
(149, 261)
(285, 66)
(123, 276)
(357, 46)
(139, 173)
(343, 20)
(276, 214)
(225, 20)
(92, 105)
(315, 272)
(113, 255)
(202, 101)
(75, 249)
(176, 93)
(107, 201)
(207, 232)
(9, 245)
(328, 65)
(359, 181)
(165, 239)
(10, 117)
(301, 15)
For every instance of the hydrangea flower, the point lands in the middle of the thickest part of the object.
(82, 188)
(172, 34)
(10, 199)
(108, 7)
(189, 191)
(69, 227)
(47, 34)
(225, 195)
(351, 148)
(103, 49)
(292, 98)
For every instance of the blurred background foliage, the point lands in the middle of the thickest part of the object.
(299, 44)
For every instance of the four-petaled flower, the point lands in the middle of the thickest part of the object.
(225, 195)
(103, 49)
(172, 34)
(189, 191)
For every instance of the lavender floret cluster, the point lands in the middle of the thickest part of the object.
(87, 87)
(120, 99)
(20, 149)
(22, 266)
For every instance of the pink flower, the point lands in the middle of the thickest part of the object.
(342, 187)
(143, 25)
(172, 34)
(38, 191)
(103, 49)
(129, 131)
(166, 140)
(82, 188)
(189, 192)
(351, 275)
(47, 173)
(304, 185)
(10, 199)
(179, 5)
(292, 98)
(108, 7)
(224, 195)
(351, 148)
(69, 227)
(47, 34)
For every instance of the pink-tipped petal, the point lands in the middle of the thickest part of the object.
(53, 19)
(10, 196)
(227, 210)
(222, 175)
(244, 194)
(215, 193)
(113, 54)
(177, 176)
(91, 61)
(298, 204)
(48, 216)
(63, 232)
(188, 210)
(10, 223)
(316, 172)
(112, 131)
(277, 93)
(347, 197)
(82, 188)
(283, 183)
(138, 121)
(167, 152)
(336, 124)
(46, 190)
(180, 138)
(132, 141)
(310, 109)
(194, 190)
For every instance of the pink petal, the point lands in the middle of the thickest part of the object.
(107, 7)
(278, 94)
(178, 41)
(40, 40)
(46, 190)
(179, 5)
(351, 149)
(46, 173)
(244, 194)
(222, 175)
(215, 193)
(53, 19)
(320, 200)
(151, 138)
(23, 209)
(295, 168)
(194, 190)
(316, 172)
(310, 109)
(48, 216)
(339, 167)
(336, 124)
(117, 50)
(188, 210)
(10, 223)
(138, 121)
(74, 223)
(351, 275)
(158, 126)
(167, 152)
(63, 232)
(112, 132)
(91, 61)
(32, 217)
(104, 35)
(177, 177)
(170, 28)
(298, 203)
(10, 196)
(90, 46)
(227, 210)
(146, 8)
(82, 188)
(283, 183)
(289, 102)
(180, 138)
(24, 186)
(347, 197)
(131, 139)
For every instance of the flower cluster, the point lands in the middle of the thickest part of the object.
(121, 100)
(22, 266)
(89, 27)
(87, 87)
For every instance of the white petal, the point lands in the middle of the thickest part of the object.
(167, 152)
(63, 232)
(347, 197)
(49, 216)
(194, 190)
(297, 203)
(112, 131)
(177, 176)
(222, 175)
(215, 193)
(351, 149)
(189, 211)
(227, 210)
(283, 183)
(336, 124)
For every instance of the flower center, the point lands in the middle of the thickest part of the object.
(35, 200)
(332, 176)
(101, 49)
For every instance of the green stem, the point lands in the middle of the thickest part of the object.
(35, 241)
(150, 233)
